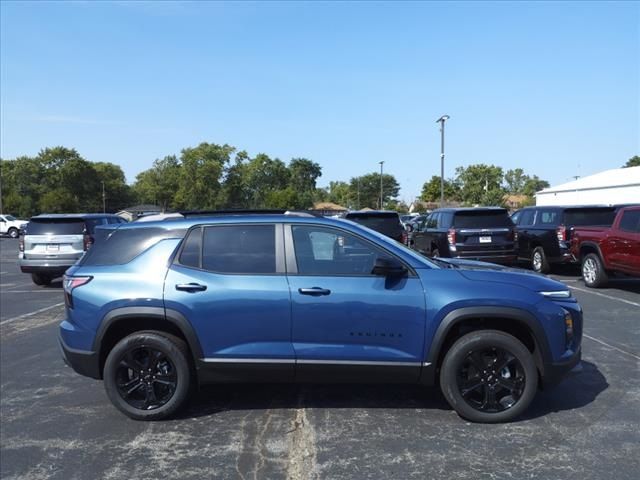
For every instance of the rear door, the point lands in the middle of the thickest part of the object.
(623, 243)
(525, 220)
(349, 324)
(483, 232)
(51, 238)
(229, 282)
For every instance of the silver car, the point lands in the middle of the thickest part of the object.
(53, 242)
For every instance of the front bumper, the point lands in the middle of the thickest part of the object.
(83, 362)
(555, 372)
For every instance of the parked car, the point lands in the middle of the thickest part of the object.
(10, 225)
(386, 222)
(408, 218)
(154, 308)
(544, 233)
(485, 234)
(606, 250)
(412, 226)
(53, 242)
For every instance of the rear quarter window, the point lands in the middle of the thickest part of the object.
(117, 247)
(581, 217)
(50, 226)
(482, 219)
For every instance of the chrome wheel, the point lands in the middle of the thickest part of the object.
(537, 261)
(589, 270)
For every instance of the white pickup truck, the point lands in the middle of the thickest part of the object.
(10, 225)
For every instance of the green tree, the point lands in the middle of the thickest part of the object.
(339, 192)
(481, 184)
(533, 185)
(431, 190)
(118, 194)
(264, 175)
(515, 180)
(368, 187)
(303, 174)
(632, 162)
(159, 184)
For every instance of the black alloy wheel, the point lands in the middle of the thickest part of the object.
(491, 380)
(146, 378)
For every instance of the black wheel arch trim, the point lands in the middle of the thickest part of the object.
(593, 245)
(542, 354)
(172, 316)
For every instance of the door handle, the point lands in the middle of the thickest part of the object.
(315, 291)
(191, 287)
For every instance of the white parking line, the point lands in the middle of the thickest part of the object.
(629, 302)
(611, 346)
(25, 315)
(32, 291)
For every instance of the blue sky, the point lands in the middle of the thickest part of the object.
(553, 88)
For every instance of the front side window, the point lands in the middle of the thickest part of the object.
(239, 249)
(327, 251)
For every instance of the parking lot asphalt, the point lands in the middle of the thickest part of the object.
(57, 424)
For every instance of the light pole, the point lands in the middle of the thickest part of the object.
(381, 164)
(104, 204)
(441, 120)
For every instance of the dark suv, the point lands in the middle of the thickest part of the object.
(51, 243)
(386, 222)
(544, 233)
(154, 308)
(485, 234)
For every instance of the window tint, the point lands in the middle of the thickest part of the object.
(57, 226)
(249, 249)
(444, 220)
(190, 255)
(482, 219)
(630, 221)
(386, 223)
(92, 223)
(10, 218)
(326, 251)
(527, 217)
(432, 221)
(590, 217)
(548, 217)
(117, 247)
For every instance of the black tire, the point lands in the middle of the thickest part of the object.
(593, 272)
(40, 279)
(539, 262)
(13, 232)
(494, 394)
(149, 398)
(435, 253)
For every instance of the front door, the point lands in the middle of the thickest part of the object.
(348, 324)
(229, 282)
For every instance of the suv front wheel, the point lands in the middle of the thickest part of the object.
(147, 375)
(488, 376)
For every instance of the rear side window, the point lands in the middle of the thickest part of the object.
(482, 219)
(548, 217)
(380, 222)
(123, 245)
(590, 217)
(239, 249)
(55, 226)
(192, 249)
(630, 221)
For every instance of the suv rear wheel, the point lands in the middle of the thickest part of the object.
(13, 232)
(488, 376)
(41, 279)
(593, 271)
(539, 262)
(148, 375)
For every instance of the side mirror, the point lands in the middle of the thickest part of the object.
(408, 227)
(388, 267)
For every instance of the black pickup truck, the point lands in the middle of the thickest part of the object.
(544, 233)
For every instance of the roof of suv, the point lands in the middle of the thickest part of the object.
(371, 213)
(469, 209)
(73, 215)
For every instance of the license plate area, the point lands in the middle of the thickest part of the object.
(53, 248)
(485, 239)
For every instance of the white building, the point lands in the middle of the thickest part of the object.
(620, 185)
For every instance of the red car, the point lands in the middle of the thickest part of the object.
(606, 250)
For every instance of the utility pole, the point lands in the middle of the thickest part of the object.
(441, 120)
(104, 197)
(381, 164)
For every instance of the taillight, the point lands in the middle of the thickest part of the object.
(88, 241)
(451, 236)
(405, 237)
(21, 243)
(561, 233)
(69, 284)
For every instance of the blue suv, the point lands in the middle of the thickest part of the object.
(156, 308)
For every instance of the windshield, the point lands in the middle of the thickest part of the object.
(10, 218)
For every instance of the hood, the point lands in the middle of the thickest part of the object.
(490, 272)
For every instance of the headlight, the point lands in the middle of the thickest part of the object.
(557, 294)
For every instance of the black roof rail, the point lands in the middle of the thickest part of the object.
(273, 211)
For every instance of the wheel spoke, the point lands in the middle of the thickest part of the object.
(130, 361)
(470, 385)
(489, 399)
(477, 361)
(134, 388)
(502, 360)
(150, 398)
(507, 383)
(129, 384)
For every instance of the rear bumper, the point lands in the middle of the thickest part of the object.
(83, 362)
(49, 266)
(508, 259)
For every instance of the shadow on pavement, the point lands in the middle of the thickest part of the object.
(576, 391)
